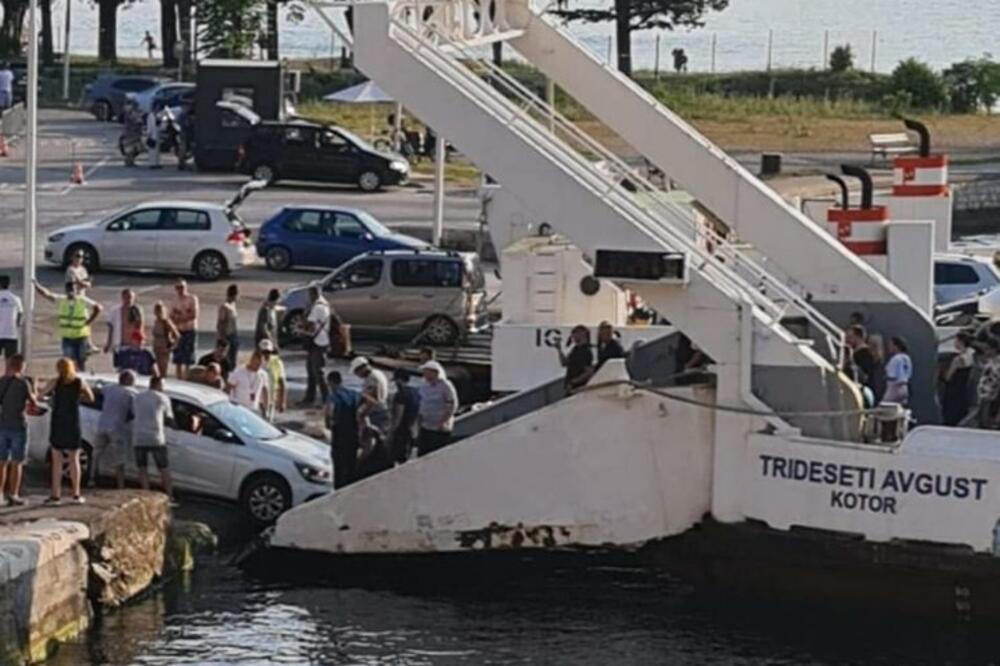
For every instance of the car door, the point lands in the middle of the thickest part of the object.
(421, 287)
(202, 452)
(307, 239)
(338, 158)
(183, 233)
(298, 158)
(348, 237)
(356, 293)
(131, 240)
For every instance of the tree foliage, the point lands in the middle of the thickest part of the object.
(924, 87)
(632, 15)
(229, 28)
(842, 58)
(973, 85)
(12, 26)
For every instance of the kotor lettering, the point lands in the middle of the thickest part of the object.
(861, 488)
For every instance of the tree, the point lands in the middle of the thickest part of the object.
(973, 84)
(841, 59)
(107, 28)
(229, 28)
(168, 31)
(916, 79)
(12, 26)
(634, 15)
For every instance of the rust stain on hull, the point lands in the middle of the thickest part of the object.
(501, 537)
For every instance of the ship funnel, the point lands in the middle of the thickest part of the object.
(867, 187)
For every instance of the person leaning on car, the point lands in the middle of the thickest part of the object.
(317, 340)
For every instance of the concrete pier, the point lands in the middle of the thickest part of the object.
(60, 564)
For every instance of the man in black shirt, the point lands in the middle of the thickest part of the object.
(608, 346)
(579, 363)
(16, 394)
(862, 359)
(218, 355)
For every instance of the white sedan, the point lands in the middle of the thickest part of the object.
(216, 448)
(208, 240)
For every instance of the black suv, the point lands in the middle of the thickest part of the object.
(307, 150)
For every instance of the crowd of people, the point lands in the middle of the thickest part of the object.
(581, 363)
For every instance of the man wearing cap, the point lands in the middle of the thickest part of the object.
(374, 410)
(277, 386)
(438, 402)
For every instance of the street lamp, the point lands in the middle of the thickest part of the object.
(31, 155)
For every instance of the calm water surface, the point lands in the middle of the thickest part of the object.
(937, 31)
(572, 615)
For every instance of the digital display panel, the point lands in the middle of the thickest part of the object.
(637, 265)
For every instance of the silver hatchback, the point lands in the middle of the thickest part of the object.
(395, 293)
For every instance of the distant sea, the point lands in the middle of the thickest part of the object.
(939, 32)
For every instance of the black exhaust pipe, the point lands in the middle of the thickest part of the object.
(867, 188)
(923, 132)
(844, 198)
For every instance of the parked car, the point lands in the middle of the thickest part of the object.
(323, 236)
(105, 97)
(958, 276)
(441, 295)
(209, 240)
(307, 150)
(172, 95)
(216, 448)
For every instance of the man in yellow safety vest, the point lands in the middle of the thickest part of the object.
(76, 313)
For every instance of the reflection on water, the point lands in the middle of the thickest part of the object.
(569, 615)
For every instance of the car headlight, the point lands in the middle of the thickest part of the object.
(55, 238)
(399, 165)
(313, 474)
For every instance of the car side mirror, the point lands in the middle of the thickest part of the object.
(368, 237)
(226, 436)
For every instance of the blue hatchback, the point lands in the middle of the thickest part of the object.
(325, 237)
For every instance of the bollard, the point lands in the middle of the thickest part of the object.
(76, 175)
(3, 146)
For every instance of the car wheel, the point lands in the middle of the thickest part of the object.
(102, 111)
(293, 328)
(86, 460)
(278, 258)
(264, 172)
(210, 266)
(440, 330)
(369, 181)
(265, 496)
(90, 259)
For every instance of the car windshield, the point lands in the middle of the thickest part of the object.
(244, 422)
(354, 138)
(374, 226)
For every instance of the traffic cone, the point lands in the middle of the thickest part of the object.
(77, 176)
(3, 146)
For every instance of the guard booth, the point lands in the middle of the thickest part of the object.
(251, 91)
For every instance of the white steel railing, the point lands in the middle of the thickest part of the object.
(727, 262)
(454, 21)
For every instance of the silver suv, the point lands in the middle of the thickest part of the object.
(441, 295)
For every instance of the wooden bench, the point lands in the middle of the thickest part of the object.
(898, 143)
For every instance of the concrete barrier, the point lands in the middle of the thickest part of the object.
(43, 588)
(13, 121)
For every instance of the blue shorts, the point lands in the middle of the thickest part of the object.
(13, 445)
(76, 349)
(184, 351)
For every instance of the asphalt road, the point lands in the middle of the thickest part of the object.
(65, 136)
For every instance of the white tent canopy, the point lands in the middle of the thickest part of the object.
(362, 93)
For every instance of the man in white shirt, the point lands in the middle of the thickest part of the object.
(152, 410)
(11, 315)
(120, 330)
(77, 272)
(248, 385)
(317, 341)
(898, 372)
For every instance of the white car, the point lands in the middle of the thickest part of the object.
(208, 240)
(216, 448)
(172, 94)
(959, 276)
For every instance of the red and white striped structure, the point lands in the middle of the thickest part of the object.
(918, 176)
(864, 231)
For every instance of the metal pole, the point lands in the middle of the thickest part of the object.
(69, 6)
(397, 127)
(874, 46)
(656, 60)
(31, 155)
(610, 51)
(826, 49)
(770, 47)
(550, 99)
(439, 154)
(715, 36)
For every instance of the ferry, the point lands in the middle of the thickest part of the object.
(771, 474)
